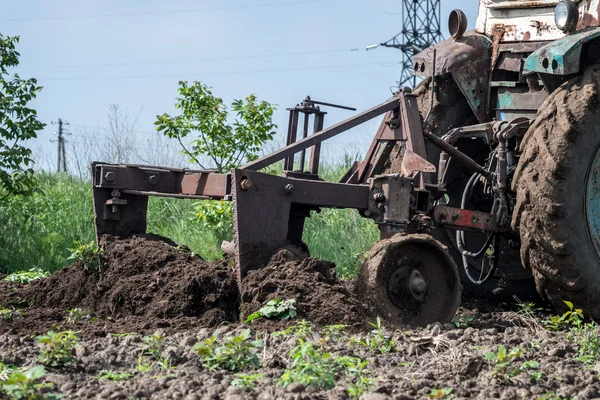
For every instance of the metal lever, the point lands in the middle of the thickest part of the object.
(333, 105)
(310, 102)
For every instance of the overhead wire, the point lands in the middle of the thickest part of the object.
(209, 73)
(145, 13)
(191, 60)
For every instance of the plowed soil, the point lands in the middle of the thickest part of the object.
(320, 296)
(147, 284)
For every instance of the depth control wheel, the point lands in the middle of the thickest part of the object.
(411, 280)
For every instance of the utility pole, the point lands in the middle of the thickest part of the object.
(61, 163)
(420, 29)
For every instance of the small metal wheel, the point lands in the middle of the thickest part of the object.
(410, 280)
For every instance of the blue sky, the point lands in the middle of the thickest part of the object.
(88, 55)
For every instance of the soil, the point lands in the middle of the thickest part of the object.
(143, 282)
(440, 356)
(320, 296)
(147, 284)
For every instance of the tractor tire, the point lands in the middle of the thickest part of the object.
(557, 182)
(451, 110)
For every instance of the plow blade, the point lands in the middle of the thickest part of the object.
(269, 212)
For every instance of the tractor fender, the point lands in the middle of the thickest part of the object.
(452, 54)
(562, 56)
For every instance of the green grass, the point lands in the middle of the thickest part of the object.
(38, 231)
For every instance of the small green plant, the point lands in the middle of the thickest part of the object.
(301, 330)
(6, 314)
(5, 371)
(87, 253)
(527, 308)
(462, 321)
(552, 396)
(154, 345)
(164, 364)
(26, 385)
(25, 277)
(532, 364)
(443, 393)
(309, 367)
(377, 340)
(361, 385)
(335, 331)
(275, 309)
(57, 348)
(589, 343)
(537, 375)
(115, 376)
(234, 353)
(357, 370)
(76, 314)
(125, 334)
(246, 380)
(533, 345)
(143, 366)
(504, 362)
(573, 317)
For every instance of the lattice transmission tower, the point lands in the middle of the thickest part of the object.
(420, 29)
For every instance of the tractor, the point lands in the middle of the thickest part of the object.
(485, 177)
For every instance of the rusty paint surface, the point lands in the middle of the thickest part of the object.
(159, 180)
(465, 219)
(413, 163)
(269, 202)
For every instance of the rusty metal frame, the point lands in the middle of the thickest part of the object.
(269, 212)
(325, 134)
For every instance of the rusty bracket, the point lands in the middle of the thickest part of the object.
(466, 219)
(121, 193)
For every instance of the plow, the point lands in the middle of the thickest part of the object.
(485, 176)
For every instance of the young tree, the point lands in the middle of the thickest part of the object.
(225, 144)
(17, 123)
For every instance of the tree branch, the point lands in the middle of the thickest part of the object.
(189, 153)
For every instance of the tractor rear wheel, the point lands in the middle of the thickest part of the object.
(557, 183)
(410, 280)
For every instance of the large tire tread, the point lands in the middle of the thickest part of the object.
(544, 203)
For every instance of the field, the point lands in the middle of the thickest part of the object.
(153, 320)
(151, 317)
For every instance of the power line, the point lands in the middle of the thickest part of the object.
(132, 14)
(299, 53)
(215, 73)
